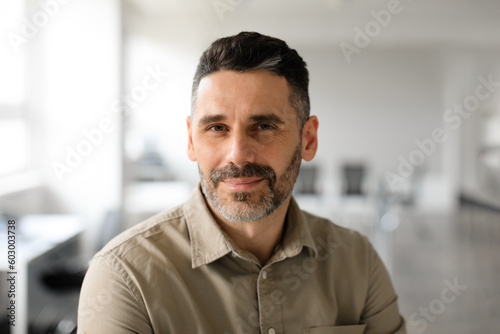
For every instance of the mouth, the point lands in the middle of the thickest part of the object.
(243, 183)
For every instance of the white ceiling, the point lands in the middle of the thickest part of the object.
(456, 22)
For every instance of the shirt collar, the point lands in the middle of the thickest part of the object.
(297, 232)
(209, 242)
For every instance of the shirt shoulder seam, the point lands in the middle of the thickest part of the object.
(103, 253)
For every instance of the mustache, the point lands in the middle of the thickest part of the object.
(248, 170)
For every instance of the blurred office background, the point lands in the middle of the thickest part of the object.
(94, 96)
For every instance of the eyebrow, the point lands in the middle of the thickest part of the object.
(270, 118)
(205, 120)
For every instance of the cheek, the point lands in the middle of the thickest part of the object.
(208, 158)
(276, 156)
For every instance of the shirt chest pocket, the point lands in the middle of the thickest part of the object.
(355, 329)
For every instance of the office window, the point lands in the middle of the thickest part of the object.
(13, 145)
(14, 134)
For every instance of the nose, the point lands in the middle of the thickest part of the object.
(241, 149)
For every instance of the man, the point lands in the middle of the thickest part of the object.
(240, 256)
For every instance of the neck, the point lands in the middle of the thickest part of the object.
(258, 237)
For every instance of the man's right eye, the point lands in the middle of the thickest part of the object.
(216, 128)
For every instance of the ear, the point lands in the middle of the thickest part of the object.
(190, 150)
(310, 138)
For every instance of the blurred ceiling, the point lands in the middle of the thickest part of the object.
(420, 22)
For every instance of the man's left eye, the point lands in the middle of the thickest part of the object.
(265, 127)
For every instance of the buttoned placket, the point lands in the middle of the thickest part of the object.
(269, 301)
(268, 296)
(269, 311)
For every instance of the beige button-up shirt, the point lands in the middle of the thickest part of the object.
(178, 272)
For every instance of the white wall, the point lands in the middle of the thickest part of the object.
(374, 108)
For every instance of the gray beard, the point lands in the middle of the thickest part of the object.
(245, 206)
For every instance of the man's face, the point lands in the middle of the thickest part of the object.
(246, 139)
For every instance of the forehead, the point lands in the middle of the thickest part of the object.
(243, 94)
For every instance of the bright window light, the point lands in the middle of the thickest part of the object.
(11, 61)
(13, 145)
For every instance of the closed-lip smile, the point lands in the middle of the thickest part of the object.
(242, 183)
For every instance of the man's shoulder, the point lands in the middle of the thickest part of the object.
(158, 227)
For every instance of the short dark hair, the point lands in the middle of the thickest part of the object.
(251, 51)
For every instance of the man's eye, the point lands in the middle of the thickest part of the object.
(216, 128)
(265, 127)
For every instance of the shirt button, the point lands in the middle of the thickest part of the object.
(271, 331)
(264, 276)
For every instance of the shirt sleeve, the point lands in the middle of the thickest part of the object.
(109, 301)
(381, 314)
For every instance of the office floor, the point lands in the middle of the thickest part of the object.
(446, 271)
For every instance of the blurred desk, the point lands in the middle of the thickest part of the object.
(41, 242)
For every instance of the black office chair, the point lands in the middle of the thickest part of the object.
(353, 178)
(306, 180)
(65, 278)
